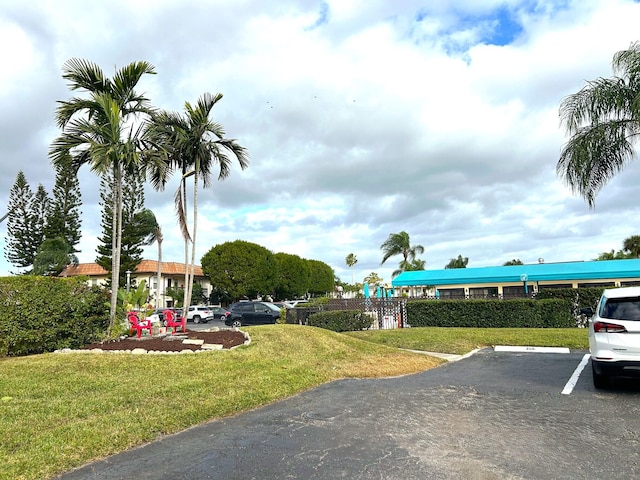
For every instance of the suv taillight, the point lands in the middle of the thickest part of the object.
(604, 327)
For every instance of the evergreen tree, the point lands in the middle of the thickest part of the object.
(39, 208)
(53, 255)
(64, 214)
(134, 231)
(21, 239)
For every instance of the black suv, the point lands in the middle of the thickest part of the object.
(252, 313)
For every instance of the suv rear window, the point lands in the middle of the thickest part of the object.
(621, 309)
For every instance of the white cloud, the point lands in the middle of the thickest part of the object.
(361, 118)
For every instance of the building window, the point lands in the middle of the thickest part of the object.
(597, 284)
(451, 293)
(554, 285)
(486, 292)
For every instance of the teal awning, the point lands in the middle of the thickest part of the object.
(537, 272)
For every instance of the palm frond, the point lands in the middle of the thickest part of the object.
(84, 75)
(181, 213)
(594, 155)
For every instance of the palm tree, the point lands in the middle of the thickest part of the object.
(351, 260)
(193, 143)
(102, 131)
(399, 244)
(631, 246)
(515, 261)
(460, 262)
(603, 121)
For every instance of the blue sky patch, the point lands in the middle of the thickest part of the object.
(323, 17)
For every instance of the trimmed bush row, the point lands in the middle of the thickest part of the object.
(340, 320)
(42, 314)
(525, 313)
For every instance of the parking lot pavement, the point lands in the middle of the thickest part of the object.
(491, 415)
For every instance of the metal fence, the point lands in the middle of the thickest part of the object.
(385, 313)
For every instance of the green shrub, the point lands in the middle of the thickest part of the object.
(340, 320)
(526, 313)
(578, 298)
(42, 314)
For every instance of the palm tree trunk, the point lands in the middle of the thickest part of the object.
(195, 227)
(116, 244)
(158, 282)
(185, 303)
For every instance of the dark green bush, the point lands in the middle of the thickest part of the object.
(526, 313)
(340, 320)
(42, 314)
(578, 298)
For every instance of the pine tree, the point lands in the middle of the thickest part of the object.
(39, 207)
(132, 238)
(64, 214)
(23, 233)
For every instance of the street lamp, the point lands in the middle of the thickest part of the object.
(128, 272)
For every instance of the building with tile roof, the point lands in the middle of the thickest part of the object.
(517, 280)
(172, 276)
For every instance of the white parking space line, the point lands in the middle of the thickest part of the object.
(568, 388)
(507, 348)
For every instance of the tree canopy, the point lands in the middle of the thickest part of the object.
(399, 244)
(602, 120)
(293, 277)
(460, 262)
(241, 269)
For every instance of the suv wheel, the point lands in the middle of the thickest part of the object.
(599, 380)
(236, 323)
(196, 319)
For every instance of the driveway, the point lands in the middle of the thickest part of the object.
(493, 415)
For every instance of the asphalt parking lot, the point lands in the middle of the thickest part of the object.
(494, 415)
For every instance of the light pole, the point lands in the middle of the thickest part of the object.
(128, 272)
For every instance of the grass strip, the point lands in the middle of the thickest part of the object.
(463, 340)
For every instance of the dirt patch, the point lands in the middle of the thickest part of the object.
(169, 343)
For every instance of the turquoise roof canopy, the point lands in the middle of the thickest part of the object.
(536, 272)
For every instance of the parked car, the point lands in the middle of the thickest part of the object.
(199, 313)
(295, 303)
(614, 335)
(282, 304)
(219, 313)
(252, 313)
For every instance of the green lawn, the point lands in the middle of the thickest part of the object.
(59, 411)
(463, 340)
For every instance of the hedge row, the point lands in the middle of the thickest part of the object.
(42, 314)
(340, 320)
(523, 313)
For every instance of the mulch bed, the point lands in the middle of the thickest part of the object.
(226, 338)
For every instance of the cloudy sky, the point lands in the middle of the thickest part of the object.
(362, 118)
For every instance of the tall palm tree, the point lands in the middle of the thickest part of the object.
(194, 143)
(603, 121)
(104, 131)
(399, 244)
(351, 260)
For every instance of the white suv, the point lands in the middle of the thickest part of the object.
(198, 314)
(614, 335)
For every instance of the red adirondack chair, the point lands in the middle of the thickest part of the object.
(139, 325)
(170, 321)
